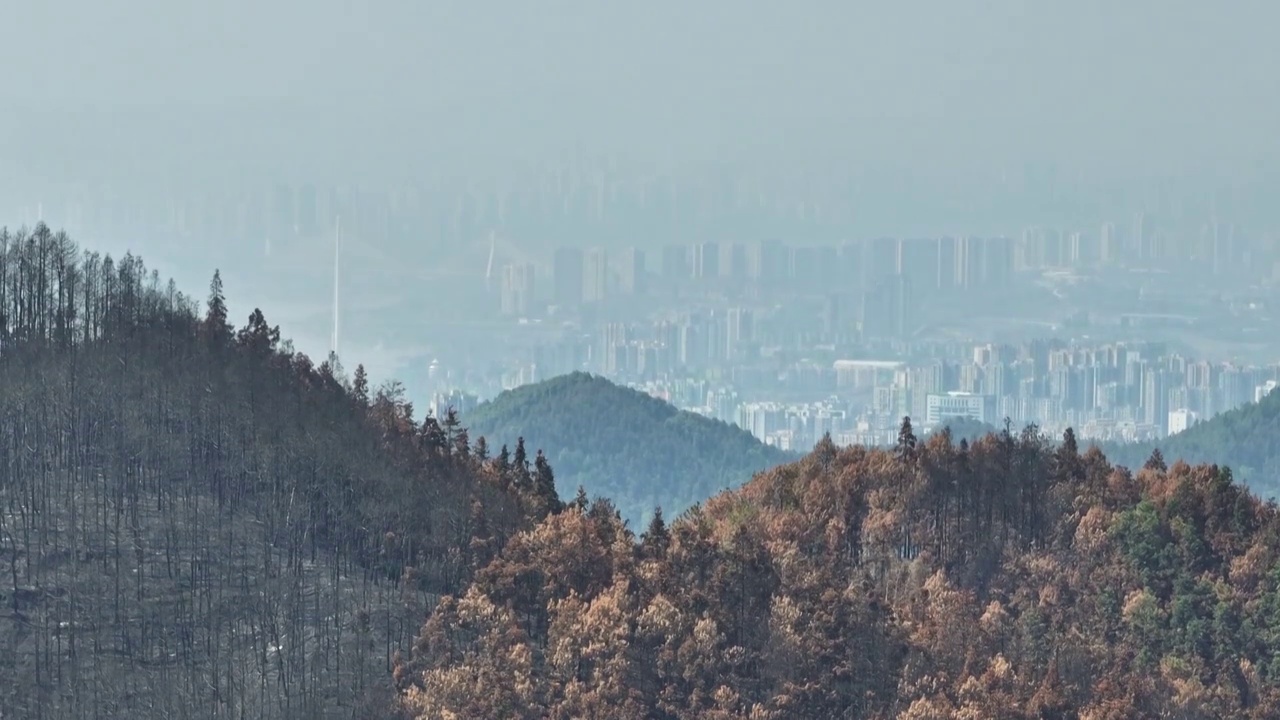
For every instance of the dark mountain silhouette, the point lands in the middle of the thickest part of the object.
(1246, 439)
(639, 451)
(196, 521)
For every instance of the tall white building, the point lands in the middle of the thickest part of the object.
(1180, 420)
(939, 408)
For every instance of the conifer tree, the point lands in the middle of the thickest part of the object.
(656, 538)
(906, 449)
(216, 327)
(544, 484)
(520, 465)
(1156, 461)
(360, 385)
(825, 450)
(503, 463)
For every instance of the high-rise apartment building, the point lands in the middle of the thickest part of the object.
(595, 275)
(517, 297)
(567, 275)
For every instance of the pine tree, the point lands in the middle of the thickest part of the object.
(450, 423)
(482, 449)
(360, 386)
(1068, 466)
(656, 538)
(502, 463)
(1156, 462)
(257, 337)
(906, 450)
(544, 484)
(825, 451)
(580, 501)
(461, 443)
(520, 465)
(216, 327)
(433, 437)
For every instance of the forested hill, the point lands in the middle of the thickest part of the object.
(196, 521)
(1015, 578)
(637, 450)
(1247, 439)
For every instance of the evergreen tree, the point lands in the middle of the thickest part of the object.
(461, 443)
(1156, 462)
(257, 337)
(825, 451)
(433, 437)
(656, 538)
(520, 465)
(544, 484)
(906, 449)
(580, 501)
(502, 463)
(360, 386)
(450, 423)
(216, 327)
(1067, 462)
(482, 449)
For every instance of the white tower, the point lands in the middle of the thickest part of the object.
(337, 256)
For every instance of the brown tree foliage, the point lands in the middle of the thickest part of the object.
(1014, 578)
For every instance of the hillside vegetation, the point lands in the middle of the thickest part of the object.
(1013, 578)
(1247, 439)
(637, 450)
(196, 521)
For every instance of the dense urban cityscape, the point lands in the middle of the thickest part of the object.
(1125, 331)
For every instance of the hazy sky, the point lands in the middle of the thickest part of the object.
(1101, 85)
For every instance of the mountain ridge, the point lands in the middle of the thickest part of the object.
(1014, 577)
(197, 521)
(1245, 439)
(640, 451)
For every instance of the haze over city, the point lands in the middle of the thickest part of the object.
(173, 131)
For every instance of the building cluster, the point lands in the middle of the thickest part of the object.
(1111, 392)
(1119, 391)
(883, 272)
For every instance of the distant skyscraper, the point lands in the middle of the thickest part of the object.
(887, 308)
(733, 261)
(998, 262)
(595, 276)
(767, 262)
(706, 261)
(879, 260)
(1139, 237)
(739, 332)
(567, 277)
(918, 259)
(945, 264)
(517, 289)
(675, 263)
(632, 272)
(1108, 244)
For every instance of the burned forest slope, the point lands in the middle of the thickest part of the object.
(196, 521)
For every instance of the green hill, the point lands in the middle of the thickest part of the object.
(1246, 439)
(638, 450)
